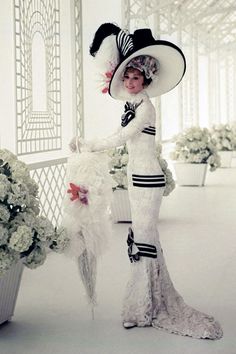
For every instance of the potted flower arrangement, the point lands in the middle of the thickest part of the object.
(233, 126)
(225, 142)
(25, 236)
(120, 207)
(194, 151)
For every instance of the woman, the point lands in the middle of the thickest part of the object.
(145, 68)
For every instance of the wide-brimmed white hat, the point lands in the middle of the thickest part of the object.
(170, 58)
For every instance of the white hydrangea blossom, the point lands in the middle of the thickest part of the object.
(61, 240)
(3, 235)
(19, 171)
(27, 218)
(19, 194)
(21, 239)
(233, 127)
(225, 137)
(33, 188)
(7, 156)
(196, 145)
(7, 259)
(4, 214)
(23, 233)
(35, 258)
(34, 205)
(170, 183)
(4, 187)
(44, 229)
(118, 167)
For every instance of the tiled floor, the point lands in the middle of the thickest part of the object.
(198, 235)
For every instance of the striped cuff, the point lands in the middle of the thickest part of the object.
(149, 130)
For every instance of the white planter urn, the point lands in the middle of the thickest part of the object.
(190, 174)
(120, 206)
(225, 158)
(9, 287)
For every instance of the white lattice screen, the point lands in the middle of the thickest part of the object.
(38, 55)
(37, 24)
(50, 176)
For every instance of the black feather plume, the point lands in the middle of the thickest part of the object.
(105, 30)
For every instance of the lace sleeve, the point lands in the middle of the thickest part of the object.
(124, 133)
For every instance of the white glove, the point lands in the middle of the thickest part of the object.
(78, 144)
(75, 143)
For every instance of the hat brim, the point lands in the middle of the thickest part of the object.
(172, 69)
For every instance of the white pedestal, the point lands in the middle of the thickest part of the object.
(120, 207)
(190, 174)
(9, 287)
(225, 158)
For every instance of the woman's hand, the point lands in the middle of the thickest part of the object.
(76, 143)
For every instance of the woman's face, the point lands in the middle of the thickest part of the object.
(133, 81)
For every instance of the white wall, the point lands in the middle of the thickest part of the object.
(7, 75)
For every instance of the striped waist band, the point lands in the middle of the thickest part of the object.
(151, 181)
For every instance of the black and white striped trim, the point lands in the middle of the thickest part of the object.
(124, 42)
(149, 130)
(146, 250)
(148, 181)
(137, 250)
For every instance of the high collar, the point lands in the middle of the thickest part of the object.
(137, 97)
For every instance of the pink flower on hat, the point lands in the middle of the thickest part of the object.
(108, 76)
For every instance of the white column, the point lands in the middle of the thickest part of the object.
(234, 87)
(210, 89)
(157, 30)
(188, 85)
(185, 86)
(218, 85)
(180, 86)
(230, 87)
(7, 74)
(196, 80)
(227, 98)
(77, 67)
(191, 81)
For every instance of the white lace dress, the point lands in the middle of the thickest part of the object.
(151, 299)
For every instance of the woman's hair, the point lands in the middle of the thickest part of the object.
(147, 65)
(146, 80)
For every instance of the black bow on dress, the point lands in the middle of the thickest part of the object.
(129, 113)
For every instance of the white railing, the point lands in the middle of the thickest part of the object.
(50, 176)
